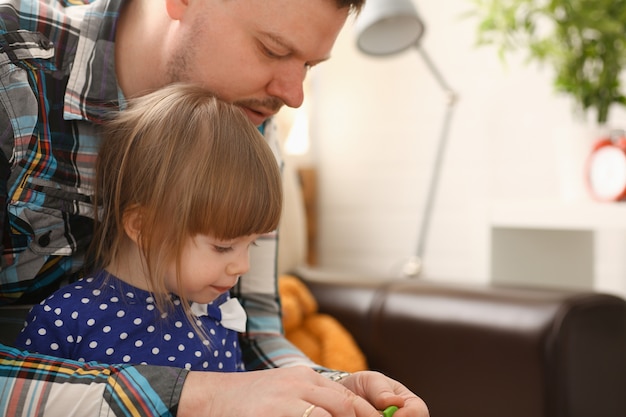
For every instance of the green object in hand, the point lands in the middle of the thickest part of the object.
(389, 411)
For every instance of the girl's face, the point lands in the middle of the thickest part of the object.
(210, 267)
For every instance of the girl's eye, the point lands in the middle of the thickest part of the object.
(222, 249)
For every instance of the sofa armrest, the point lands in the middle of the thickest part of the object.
(489, 351)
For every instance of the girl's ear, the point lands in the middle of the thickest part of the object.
(132, 223)
(176, 8)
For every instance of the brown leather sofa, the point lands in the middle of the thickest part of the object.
(485, 351)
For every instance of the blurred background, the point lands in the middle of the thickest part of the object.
(511, 203)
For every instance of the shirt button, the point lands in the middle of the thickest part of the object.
(45, 43)
(44, 240)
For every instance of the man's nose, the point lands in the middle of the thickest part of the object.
(287, 85)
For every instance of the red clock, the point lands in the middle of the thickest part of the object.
(606, 169)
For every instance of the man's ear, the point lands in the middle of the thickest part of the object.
(132, 223)
(176, 8)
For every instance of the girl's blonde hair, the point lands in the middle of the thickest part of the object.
(191, 164)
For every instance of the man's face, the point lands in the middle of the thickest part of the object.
(254, 53)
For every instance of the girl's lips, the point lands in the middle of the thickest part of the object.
(222, 289)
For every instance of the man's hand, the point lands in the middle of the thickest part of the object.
(290, 392)
(382, 392)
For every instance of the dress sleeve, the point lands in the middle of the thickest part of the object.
(50, 387)
(45, 333)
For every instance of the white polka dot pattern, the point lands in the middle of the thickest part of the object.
(107, 320)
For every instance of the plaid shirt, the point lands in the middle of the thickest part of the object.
(76, 389)
(58, 83)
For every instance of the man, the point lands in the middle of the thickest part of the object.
(63, 69)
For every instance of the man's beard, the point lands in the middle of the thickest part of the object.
(272, 104)
(177, 66)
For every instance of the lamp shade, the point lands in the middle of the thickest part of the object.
(386, 27)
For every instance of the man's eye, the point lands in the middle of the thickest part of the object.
(272, 54)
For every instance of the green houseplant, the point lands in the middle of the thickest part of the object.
(583, 40)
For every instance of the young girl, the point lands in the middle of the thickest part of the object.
(185, 184)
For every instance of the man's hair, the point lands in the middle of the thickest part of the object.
(354, 5)
(191, 164)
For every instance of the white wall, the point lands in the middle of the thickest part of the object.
(374, 128)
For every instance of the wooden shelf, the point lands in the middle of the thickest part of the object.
(308, 183)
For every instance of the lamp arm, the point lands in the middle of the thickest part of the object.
(413, 267)
(452, 96)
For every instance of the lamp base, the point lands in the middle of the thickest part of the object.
(412, 267)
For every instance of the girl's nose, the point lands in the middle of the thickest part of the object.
(239, 265)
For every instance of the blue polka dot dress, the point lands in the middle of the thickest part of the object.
(104, 319)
